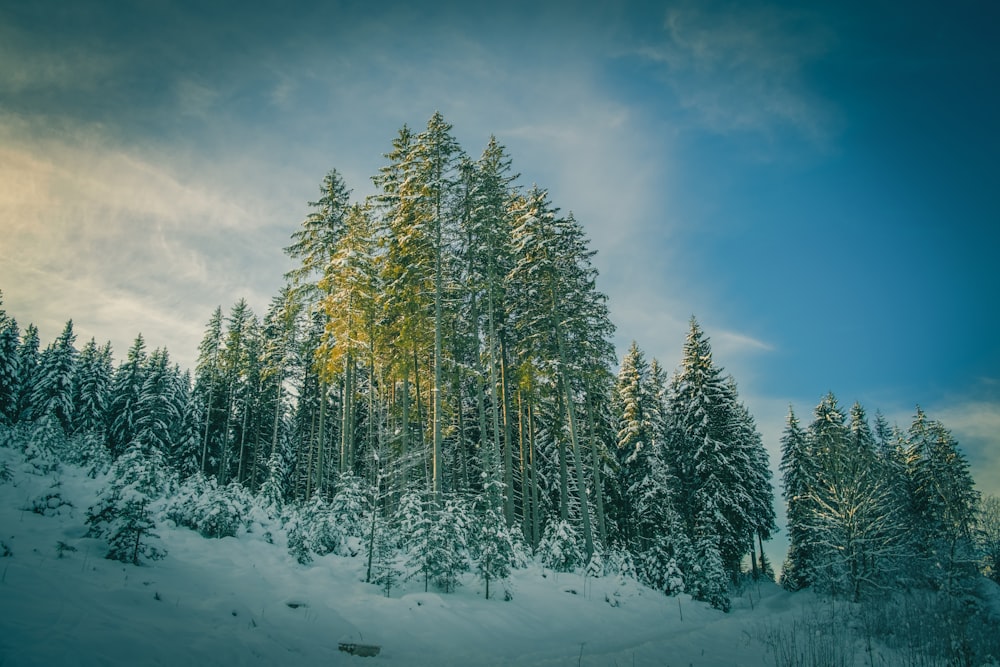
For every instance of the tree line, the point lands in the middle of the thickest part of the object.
(439, 367)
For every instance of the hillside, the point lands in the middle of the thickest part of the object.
(246, 601)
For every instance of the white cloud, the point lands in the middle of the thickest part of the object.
(124, 241)
(976, 426)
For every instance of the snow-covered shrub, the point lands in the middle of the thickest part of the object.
(5, 474)
(619, 562)
(350, 505)
(438, 544)
(595, 566)
(122, 514)
(409, 517)
(817, 639)
(123, 518)
(48, 504)
(493, 545)
(89, 451)
(660, 566)
(323, 533)
(200, 504)
(385, 571)
(271, 496)
(964, 625)
(41, 443)
(5, 551)
(298, 540)
(560, 548)
(62, 548)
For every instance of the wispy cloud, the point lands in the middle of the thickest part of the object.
(27, 67)
(976, 426)
(122, 241)
(740, 70)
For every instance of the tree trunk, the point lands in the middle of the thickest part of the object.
(596, 463)
(347, 422)
(563, 468)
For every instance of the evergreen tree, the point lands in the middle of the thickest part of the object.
(756, 479)
(317, 240)
(560, 549)
(209, 392)
(126, 392)
(711, 443)
(351, 308)
(122, 514)
(636, 411)
(10, 368)
(52, 384)
(943, 503)
(492, 544)
(154, 411)
(92, 388)
(798, 475)
(27, 366)
(988, 536)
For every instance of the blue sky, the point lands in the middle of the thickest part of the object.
(815, 182)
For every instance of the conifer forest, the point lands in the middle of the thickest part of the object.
(435, 389)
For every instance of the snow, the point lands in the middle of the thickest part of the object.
(245, 601)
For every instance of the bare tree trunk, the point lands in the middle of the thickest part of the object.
(596, 463)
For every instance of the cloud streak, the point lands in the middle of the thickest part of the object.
(741, 70)
(119, 240)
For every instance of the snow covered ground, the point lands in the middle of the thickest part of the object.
(245, 601)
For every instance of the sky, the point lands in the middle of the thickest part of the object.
(815, 182)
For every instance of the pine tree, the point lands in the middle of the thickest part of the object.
(988, 536)
(126, 391)
(556, 307)
(711, 444)
(122, 514)
(635, 443)
(52, 386)
(560, 549)
(492, 545)
(707, 580)
(10, 368)
(92, 388)
(209, 392)
(385, 572)
(756, 480)
(317, 240)
(943, 503)
(798, 476)
(27, 363)
(350, 305)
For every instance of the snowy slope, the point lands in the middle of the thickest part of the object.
(239, 601)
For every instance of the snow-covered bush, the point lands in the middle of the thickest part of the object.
(619, 562)
(214, 511)
(323, 534)
(48, 504)
(350, 504)
(660, 566)
(298, 538)
(493, 545)
(385, 570)
(595, 566)
(560, 548)
(89, 451)
(437, 544)
(271, 494)
(122, 514)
